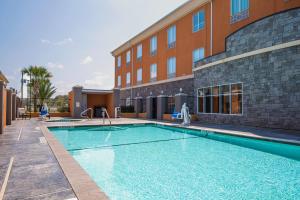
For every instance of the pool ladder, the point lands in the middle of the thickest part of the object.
(103, 116)
(85, 113)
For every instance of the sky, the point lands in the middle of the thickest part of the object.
(72, 38)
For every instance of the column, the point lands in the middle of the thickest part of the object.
(138, 105)
(8, 107)
(77, 101)
(149, 107)
(162, 105)
(14, 105)
(1, 107)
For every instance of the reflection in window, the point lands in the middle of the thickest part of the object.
(224, 99)
(236, 99)
(207, 100)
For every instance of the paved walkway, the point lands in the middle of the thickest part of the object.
(35, 172)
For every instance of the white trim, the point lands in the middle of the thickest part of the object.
(5, 181)
(161, 82)
(250, 53)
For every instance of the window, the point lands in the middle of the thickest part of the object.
(200, 100)
(128, 57)
(153, 72)
(224, 99)
(172, 37)
(171, 67)
(207, 100)
(139, 75)
(153, 45)
(198, 21)
(119, 81)
(139, 53)
(236, 98)
(128, 78)
(239, 10)
(119, 61)
(198, 54)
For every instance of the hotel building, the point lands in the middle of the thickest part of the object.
(235, 61)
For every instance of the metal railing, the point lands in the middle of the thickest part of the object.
(85, 113)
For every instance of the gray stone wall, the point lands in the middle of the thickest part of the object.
(273, 30)
(169, 89)
(271, 81)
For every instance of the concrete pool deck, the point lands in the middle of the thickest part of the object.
(43, 169)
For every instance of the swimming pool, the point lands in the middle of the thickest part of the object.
(161, 162)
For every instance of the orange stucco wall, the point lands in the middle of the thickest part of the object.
(105, 100)
(187, 41)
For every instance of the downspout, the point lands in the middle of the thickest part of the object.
(131, 92)
(211, 27)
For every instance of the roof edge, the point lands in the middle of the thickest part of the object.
(3, 77)
(174, 15)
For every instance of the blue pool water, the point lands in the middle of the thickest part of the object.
(154, 162)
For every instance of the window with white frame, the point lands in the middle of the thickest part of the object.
(153, 45)
(139, 53)
(171, 67)
(128, 78)
(119, 61)
(119, 81)
(128, 57)
(153, 72)
(139, 75)
(198, 21)
(172, 36)
(239, 10)
(224, 99)
(198, 54)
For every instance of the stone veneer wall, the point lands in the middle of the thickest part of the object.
(169, 89)
(271, 81)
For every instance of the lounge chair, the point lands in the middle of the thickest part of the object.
(176, 115)
(44, 114)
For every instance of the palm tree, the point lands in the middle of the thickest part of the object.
(46, 91)
(37, 75)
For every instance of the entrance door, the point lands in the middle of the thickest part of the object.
(154, 108)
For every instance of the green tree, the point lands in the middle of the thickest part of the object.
(38, 75)
(46, 91)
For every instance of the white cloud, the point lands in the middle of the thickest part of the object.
(58, 43)
(55, 65)
(99, 81)
(87, 60)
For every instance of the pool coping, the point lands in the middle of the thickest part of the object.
(82, 184)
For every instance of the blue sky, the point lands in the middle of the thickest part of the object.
(72, 38)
